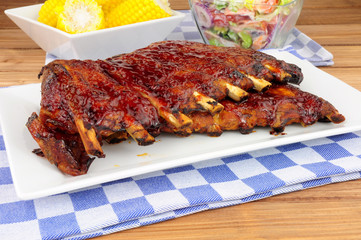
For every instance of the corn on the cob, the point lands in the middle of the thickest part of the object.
(133, 11)
(50, 11)
(76, 16)
(81, 16)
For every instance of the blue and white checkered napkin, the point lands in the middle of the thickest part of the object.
(172, 193)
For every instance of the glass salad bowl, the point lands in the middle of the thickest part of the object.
(255, 24)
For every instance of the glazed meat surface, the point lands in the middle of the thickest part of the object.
(173, 86)
(281, 105)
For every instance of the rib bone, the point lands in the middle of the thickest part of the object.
(208, 103)
(234, 92)
(178, 120)
(140, 135)
(282, 74)
(89, 139)
(259, 84)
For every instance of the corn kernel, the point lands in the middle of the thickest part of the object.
(108, 5)
(50, 11)
(133, 11)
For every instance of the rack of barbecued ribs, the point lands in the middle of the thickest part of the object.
(178, 87)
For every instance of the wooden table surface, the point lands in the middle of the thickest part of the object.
(328, 212)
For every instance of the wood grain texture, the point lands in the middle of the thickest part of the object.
(330, 212)
(15, 39)
(334, 34)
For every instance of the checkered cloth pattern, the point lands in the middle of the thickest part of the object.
(172, 193)
(168, 194)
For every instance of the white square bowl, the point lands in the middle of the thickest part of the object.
(94, 45)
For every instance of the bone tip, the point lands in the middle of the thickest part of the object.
(337, 118)
(217, 109)
(98, 153)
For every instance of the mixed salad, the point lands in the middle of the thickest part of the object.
(245, 23)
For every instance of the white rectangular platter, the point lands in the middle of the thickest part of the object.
(35, 177)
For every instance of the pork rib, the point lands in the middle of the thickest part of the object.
(278, 107)
(173, 86)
